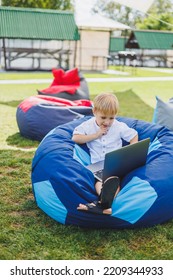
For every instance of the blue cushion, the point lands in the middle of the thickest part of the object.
(163, 113)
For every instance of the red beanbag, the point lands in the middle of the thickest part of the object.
(67, 84)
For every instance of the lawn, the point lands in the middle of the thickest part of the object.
(25, 231)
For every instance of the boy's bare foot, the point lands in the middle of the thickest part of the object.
(109, 190)
(95, 208)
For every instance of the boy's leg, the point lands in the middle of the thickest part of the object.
(106, 192)
(110, 189)
(98, 187)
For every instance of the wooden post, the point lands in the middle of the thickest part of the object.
(5, 54)
(75, 51)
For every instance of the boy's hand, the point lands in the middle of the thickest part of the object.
(102, 131)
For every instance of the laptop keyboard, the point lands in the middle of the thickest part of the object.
(99, 174)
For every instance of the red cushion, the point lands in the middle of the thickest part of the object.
(61, 88)
(58, 77)
(69, 77)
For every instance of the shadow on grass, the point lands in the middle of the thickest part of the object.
(21, 142)
(13, 103)
(134, 107)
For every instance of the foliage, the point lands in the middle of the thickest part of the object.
(44, 4)
(116, 12)
(159, 16)
(156, 22)
(161, 6)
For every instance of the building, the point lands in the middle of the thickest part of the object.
(93, 47)
(39, 39)
(36, 39)
(154, 48)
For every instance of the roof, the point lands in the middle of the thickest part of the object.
(86, 19)
(98, 22)
(117, 44)
(155, 40)
(24, 23)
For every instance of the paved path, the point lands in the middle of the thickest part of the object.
(91, 80)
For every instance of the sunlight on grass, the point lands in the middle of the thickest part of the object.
(8, 122)
(9, 136)
(147, 91)
(19, 91)
(144, 71)
(25, 75)
(130, 105)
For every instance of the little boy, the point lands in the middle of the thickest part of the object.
(102, 134)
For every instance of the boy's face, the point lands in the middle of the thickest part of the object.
(103, 120)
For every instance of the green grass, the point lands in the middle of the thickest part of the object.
(11, 136)
(19, 92)
(146, 91)
(143, 72)
(25, 75)
(137, 72)
(28, 233)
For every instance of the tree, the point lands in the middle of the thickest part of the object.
(156, 22)
(157, 18)
(161, 6)
(44, 4)
(116, 11)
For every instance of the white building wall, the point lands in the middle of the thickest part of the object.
(92, 50)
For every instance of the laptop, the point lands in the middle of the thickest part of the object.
(122, 161)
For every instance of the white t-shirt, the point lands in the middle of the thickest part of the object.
(108, 142)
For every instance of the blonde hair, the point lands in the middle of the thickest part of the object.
(106, 103)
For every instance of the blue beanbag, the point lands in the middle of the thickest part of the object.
(61, 181)
(37, 115)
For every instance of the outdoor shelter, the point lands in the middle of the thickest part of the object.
(116, 45)
(37, 38)
(156, 46)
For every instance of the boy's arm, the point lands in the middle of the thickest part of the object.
(81, 138)
(134, 139)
